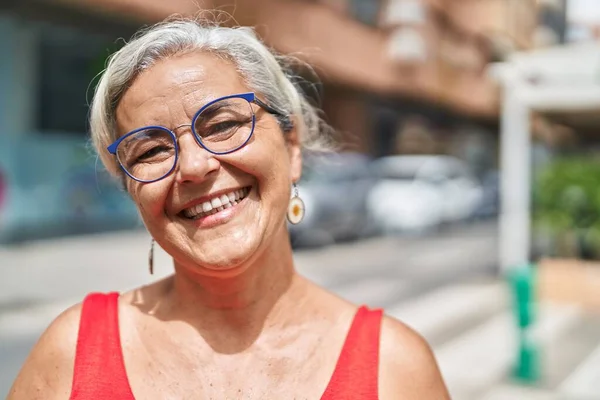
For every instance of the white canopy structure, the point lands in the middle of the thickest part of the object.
(559, 79)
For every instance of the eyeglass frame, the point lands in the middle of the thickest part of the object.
(250, 97)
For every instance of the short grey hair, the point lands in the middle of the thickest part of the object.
(264, 72)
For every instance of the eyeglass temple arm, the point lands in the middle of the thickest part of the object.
(286, 123)
(267, 107)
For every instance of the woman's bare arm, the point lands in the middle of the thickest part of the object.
(48, 370)
(408, 369)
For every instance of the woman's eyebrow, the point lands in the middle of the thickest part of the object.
(208, 112)
(212, 109)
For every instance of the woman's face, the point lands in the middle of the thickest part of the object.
(261, 173)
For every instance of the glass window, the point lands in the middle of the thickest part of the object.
(405, 12)
(366, 11)
(69, 59)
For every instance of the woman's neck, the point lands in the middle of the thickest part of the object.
(244, 304)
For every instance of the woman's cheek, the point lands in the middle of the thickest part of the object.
(150, 198)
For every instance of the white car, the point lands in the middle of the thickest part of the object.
(418, 193)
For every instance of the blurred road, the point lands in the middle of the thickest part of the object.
(444, 286)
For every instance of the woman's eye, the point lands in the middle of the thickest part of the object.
(153, 152)
(222, 127)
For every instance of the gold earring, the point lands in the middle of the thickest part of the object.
(151, 257)
(295, 212)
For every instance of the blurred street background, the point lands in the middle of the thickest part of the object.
(465, 198)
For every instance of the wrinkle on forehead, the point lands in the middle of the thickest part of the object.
(170, 92)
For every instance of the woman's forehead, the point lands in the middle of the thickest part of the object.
(180, 75)
(188, 81)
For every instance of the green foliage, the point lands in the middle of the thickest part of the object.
(566, 198)
(567, 194)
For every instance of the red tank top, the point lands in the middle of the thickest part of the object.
(100, 371)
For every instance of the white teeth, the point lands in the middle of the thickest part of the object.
(216, 204)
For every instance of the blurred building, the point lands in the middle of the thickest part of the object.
(551, 99)
(568, 32)
(383, 64)
(552, 23)
(583, 20)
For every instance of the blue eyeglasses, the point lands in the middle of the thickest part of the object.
(222, 126)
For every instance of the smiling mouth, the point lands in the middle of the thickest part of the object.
(216, 204)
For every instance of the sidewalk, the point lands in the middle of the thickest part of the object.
(64, 268)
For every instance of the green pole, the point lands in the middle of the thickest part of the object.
(523, 283)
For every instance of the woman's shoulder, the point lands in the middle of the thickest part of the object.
(408, 365)
(48, 371)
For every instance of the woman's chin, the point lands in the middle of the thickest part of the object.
(228, 261)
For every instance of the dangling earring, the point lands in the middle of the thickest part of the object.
(151, 257)
(295, 212)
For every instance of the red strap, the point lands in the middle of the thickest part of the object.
(99, 368)
(357, 370)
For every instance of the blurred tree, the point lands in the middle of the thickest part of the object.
(566, 201)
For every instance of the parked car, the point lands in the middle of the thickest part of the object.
(419, 193)
(489, 207)
(334, 189)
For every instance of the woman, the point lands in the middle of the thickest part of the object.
(205, 129)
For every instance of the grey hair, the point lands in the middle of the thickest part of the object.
(264, 72)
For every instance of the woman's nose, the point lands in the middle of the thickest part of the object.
(195, 163)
